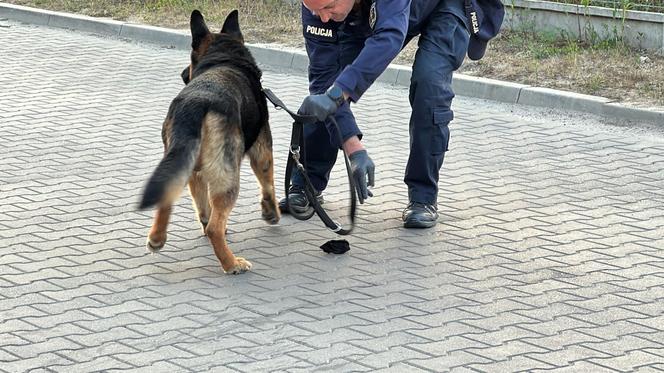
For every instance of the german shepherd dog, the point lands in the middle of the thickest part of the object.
(217, 118)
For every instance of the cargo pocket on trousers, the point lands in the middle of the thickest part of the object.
(441, 132)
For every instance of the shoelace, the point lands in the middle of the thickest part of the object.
(430, 208)
(298, 190)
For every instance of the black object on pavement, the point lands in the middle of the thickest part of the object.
(335, 246)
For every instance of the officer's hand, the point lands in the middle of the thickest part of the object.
(320, 106)
(362, 168)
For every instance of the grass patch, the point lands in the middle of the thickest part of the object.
(545, 59)
(656, 6)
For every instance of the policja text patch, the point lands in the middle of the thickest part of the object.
(319, 31)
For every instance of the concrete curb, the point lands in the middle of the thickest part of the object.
(297, 61)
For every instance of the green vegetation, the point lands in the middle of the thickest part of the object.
(656, 6)
(589, 64)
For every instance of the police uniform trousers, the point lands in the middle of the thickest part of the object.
(441, 49)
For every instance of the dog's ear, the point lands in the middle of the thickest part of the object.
(199, 29)
(185, 75)
(232, 26)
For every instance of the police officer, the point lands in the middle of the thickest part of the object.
(349, 44)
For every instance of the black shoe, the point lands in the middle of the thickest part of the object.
(298, 201)
(419, 215)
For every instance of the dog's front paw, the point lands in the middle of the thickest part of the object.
(241, 265)
(271, 217)
(270, 211)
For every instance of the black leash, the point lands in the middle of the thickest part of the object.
(296, 158)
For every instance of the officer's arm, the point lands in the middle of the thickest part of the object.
(323, 53)
(379, 49)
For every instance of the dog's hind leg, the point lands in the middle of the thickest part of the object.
(260, 156)
(222, 204)
(157, 235)
(221, 156)
(199, 193)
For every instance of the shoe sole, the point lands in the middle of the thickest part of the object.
(297, 211)
(419, 224)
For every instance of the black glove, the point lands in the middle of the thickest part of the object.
(321, 106)
(362, 168)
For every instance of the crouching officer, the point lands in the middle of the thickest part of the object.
(349, 44)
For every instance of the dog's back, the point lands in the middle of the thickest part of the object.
(228, 73)
(222, 100)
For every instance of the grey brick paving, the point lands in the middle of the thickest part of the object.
(548, 255)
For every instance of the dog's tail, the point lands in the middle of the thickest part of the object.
(171, 175)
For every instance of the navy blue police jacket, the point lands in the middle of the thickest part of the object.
(384, 26)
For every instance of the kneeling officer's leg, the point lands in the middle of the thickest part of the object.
(442, 47)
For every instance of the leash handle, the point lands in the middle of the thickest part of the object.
(280, 105)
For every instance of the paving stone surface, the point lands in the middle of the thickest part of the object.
(548, 255)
